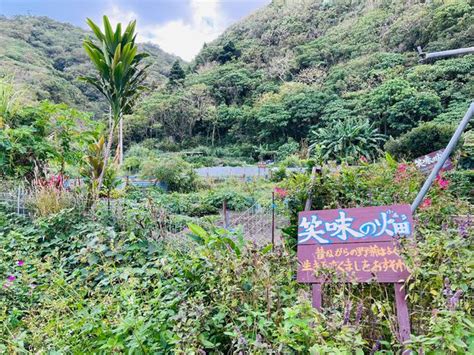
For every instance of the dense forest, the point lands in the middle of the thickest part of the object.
(282, 76)
(295, 74)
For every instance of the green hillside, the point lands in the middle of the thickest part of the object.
(294, 68)
(45, 58)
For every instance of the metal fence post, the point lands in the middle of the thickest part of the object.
(18, 200)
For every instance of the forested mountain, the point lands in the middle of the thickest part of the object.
(46, 57)
(292, 69)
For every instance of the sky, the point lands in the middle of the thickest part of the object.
(180, 27)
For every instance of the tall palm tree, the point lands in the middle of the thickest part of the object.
(120, 76)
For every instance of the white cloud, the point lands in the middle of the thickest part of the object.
(185, 38)
(118, 15)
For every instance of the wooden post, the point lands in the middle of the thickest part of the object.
(225, 214)
(317, 300)
(402, 312)
(317, 297)
(273, 220)
(309, 200)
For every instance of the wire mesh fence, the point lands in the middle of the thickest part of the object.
(259, 224)
(14, 200)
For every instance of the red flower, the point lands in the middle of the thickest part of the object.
(426, 203)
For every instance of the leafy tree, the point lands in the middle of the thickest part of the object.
(396, 106)
(46, 134)
(177, 74)
(228, 52)
(120, 77)
(347, 140)
(421, 140)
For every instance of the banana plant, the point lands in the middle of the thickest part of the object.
(120, 75)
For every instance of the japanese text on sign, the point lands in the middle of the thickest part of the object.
(388, 223)
(358, 243)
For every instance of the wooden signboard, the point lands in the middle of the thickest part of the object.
(427, 162)
(359, 244)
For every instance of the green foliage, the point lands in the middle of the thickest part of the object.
(396, 106)
(462, 183)
(214, 292)
(177, 174)
(228, 53)
(44, 134)
(289, 148)
(424, 139)
(348, 140)
(177, 74)
(9, 100)
(120, 78)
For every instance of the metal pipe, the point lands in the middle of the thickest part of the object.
(426, 57)
(449, 148)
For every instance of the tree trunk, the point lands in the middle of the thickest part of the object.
(121, 141)
(106, 157)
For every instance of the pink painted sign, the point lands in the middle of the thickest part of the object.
(427, 162)
(359, 244)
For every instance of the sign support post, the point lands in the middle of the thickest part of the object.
(402, 312)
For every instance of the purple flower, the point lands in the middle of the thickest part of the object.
(20, 263)
(347, 313)
(360, 308)
(447, 288)
(11, 278)
(453, 301)
(376, 347)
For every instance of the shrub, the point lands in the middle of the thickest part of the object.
(49, 200)
(462, 183)
(348, 140)
(426, 138)
(177, 174)
(289, 148)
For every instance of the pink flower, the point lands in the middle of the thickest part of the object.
(402, 168)
(426, 203)
(7, 285)
(20, 263)
(442, 183)
(11, 278)
(282, 193)
(363, 160)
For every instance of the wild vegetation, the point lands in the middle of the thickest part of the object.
(98, 265)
